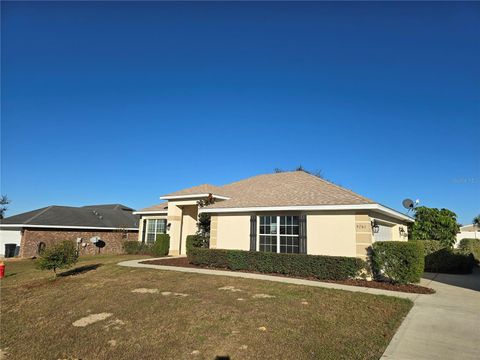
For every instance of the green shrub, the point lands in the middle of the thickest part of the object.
(161, 246)
(320, 267)
(58, 256)
(470, 246)
(431, 246)
(196, 241)
(443, 259)
(399, 261)
(137, 248)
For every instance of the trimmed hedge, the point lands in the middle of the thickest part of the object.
(442, 259)
(432, 246)
(136, 248)
(320, 267)
(401, 262)
(472, 246)
(161, 245)
(195, 241)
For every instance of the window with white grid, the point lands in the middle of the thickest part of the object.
(279, 234)
(153, 228)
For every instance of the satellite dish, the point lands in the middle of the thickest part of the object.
(100, 244)
(408, 204)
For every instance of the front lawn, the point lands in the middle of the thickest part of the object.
(113, 312)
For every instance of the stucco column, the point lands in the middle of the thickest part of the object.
(174, 218)
(363, 231)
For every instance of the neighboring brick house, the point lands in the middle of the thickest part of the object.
(112, 225)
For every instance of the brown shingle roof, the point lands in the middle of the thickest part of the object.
(160, 207)
(200, 189)
(470, 227)
(296, 188)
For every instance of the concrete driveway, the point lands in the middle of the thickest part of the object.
(445, 325)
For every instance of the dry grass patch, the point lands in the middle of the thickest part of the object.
(187, 318)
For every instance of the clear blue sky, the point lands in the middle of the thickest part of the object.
(117, 102)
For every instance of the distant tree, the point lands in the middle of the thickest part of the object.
(58, 256)
(435, 224)
(476, 221)
(4, 200)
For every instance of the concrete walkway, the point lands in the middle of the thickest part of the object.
(137, 264)
(445, 325)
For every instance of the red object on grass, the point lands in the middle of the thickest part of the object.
(2, 270)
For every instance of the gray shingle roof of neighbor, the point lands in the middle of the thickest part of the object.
(294, 188)
(109, 206)
(95, 216)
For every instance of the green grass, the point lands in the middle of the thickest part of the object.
(38, 312)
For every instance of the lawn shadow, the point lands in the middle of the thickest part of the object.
(80, 270)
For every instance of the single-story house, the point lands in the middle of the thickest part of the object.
(287, 212)
(468, 232)
(107, 225)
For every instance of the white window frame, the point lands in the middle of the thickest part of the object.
(278, 235)
(155, 232)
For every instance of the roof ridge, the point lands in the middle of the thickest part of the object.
(40, 213)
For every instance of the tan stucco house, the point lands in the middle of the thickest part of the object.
(287, 212)
(471, 231)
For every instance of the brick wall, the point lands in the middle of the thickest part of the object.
(113, 240)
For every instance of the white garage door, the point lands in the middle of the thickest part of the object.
(9, 237)
(384, 233)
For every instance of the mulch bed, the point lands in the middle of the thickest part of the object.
(415, 289)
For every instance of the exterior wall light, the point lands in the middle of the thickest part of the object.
(168, 226)
(402, 231)
(375, 227)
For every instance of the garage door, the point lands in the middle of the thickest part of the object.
(384, 233)
(10, 237)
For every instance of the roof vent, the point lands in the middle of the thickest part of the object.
(97, 214)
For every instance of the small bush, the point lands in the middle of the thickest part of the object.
(161, 246)
(472, 246)
(400, 261)
(320, 267)
(137, 248)
(58, 256)
(196, 241)
(443, 259)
